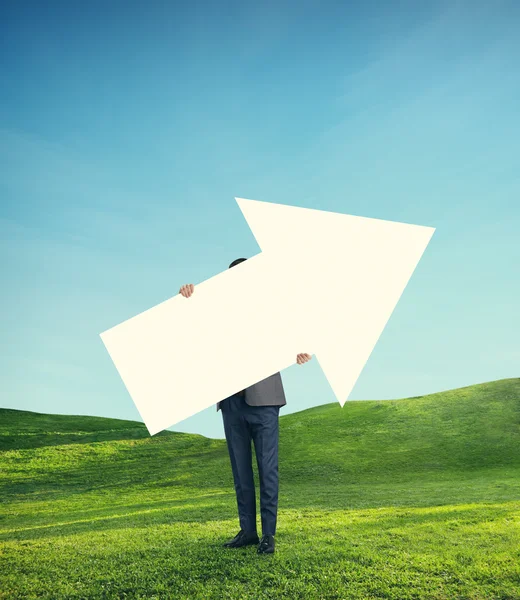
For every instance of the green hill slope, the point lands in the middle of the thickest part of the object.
(410, 498)
(466, 429)
(25, 429)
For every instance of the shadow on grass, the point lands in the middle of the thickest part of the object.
(205, 467)
(218, 506)
(31, 442)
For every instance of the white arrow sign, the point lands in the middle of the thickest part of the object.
(325, 283)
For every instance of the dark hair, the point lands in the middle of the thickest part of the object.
(236, 262)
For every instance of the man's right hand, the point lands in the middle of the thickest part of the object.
(187, 290)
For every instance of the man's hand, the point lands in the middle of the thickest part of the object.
(187, 290)
(303, 358)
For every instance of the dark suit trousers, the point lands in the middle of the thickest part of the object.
(243, 423)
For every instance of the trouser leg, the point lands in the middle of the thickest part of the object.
(238, 438)
(264, 429)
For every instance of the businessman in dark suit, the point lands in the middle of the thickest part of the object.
(252, 414)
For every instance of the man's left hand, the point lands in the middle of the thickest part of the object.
(303, 358)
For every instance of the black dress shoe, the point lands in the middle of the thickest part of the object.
(242, 538)
(266, 545)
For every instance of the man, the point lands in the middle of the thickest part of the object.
(252, 414)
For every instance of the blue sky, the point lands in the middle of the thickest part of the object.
(127, 129)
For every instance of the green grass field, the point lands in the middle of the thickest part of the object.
(412, 498)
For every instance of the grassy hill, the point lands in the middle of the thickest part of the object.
(409, 498)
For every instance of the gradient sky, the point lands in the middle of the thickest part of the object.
(128, 128)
